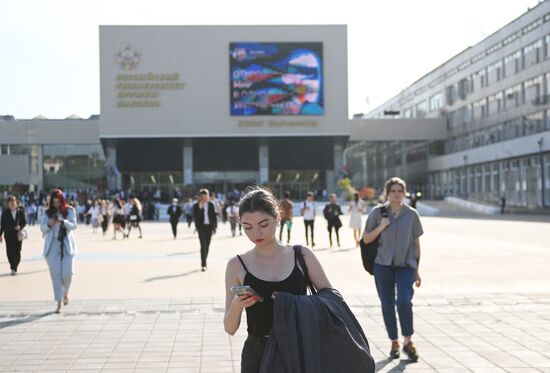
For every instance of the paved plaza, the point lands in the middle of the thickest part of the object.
(144, 306)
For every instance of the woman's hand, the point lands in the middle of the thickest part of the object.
(245, 300)
(418, 280)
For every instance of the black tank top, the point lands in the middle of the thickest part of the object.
(259, 317)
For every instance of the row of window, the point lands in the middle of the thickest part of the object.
(533, 91)
(511, 64)
(519, 127)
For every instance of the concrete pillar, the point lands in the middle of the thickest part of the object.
(187, 163)
(332, 175)
(403, 167)
(263, 158)
(114, 179)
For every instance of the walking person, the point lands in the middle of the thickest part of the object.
(134, 216)
(332, 213)
(105, 216)
(232, 212)
(11, 224)
(397, 263)
(265, 268)
(95, 213)
(205, 217)
(189, 212)
(356, 210)
(174, 212)
(119, 218)
(286, 207)
(31, 213)
(58, 224)
(308, 212)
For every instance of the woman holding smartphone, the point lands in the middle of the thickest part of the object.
(58, 224)
(267, 268)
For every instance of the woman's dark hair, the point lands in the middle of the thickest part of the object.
(118, 203)
(259, 199)
(356, 196)
(287, 194)
(63, 205)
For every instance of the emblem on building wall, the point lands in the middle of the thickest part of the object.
(128, 58)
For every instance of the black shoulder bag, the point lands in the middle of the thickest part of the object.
(370, 250)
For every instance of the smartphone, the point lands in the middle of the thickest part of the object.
(239, 290)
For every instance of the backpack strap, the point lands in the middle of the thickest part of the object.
(303, 267)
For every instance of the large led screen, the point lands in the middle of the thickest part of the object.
(276, 78)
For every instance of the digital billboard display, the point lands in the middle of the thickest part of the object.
(276, 78)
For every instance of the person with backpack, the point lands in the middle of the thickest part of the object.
(332, 214)
(396, 265)
(308, 212)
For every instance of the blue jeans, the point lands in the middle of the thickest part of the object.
(387, 279)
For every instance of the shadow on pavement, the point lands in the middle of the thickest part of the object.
(184, 253)
(398, 368)
(23, 273)
(24, 320)
(171, 276)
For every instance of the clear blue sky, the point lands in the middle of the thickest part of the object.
(49, 55)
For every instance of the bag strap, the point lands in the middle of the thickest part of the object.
(302, 264)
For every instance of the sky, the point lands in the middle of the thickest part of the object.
(49, 49)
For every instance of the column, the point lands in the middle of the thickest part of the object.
(332, 175)
(187, 162)
(114, 179)
(403, 153)
(263, 161)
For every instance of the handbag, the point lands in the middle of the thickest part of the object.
(370, 250)
(22, 234)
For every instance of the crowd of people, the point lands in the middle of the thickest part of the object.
(255, 278)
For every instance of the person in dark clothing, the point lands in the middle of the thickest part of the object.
(265, 268)
(205, 217)
(174, 211)
(11, 223)
(332, 214)
(134, 217)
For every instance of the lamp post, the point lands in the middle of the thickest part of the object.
(542, 181)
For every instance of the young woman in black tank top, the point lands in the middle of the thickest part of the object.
(267, 268)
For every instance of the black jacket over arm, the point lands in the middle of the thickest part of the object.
(198, 216)
(315, 334)
(7, 224)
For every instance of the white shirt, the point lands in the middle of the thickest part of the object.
(232, 211)
(309, 211)
(14, 214)
(205, 208)
(94, 212)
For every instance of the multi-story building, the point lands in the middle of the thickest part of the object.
(494, 98)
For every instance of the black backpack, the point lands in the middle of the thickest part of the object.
(369, 251)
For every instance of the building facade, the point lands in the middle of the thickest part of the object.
(494, 98)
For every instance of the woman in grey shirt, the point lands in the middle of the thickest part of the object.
(397, 261)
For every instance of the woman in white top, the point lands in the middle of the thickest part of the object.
(356, 209)
(94, 212)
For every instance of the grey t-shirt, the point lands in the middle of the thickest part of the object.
(396, 243)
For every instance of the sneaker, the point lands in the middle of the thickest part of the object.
(13, 272)
(410, 350)
(394, 352)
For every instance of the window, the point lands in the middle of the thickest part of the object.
(478, 57)
(511, 38)
(494, 72)
(495, 103)
(532, 53)
(450, 94)
(481, 78)
(533, 90)
(512, 63)
(533, 123)
(533, 25)
(421, 109)
(4, 149)
(513, 96)
(435, 102)
(407, 113)
(480, 109)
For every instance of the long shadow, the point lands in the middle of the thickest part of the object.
(23, 273)
(31, 318)
(171, 276)
(381, 364)
(184, 253)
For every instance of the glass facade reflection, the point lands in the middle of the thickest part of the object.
(74, 166)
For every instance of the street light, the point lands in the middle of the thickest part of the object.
(542, 181)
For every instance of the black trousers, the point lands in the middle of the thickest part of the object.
(104, 224)
(283, 226)
(309, 224)
(205, 235)
(13, 252)
(251, 357)
(189, 220)
(336, 229)
(174, 224)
